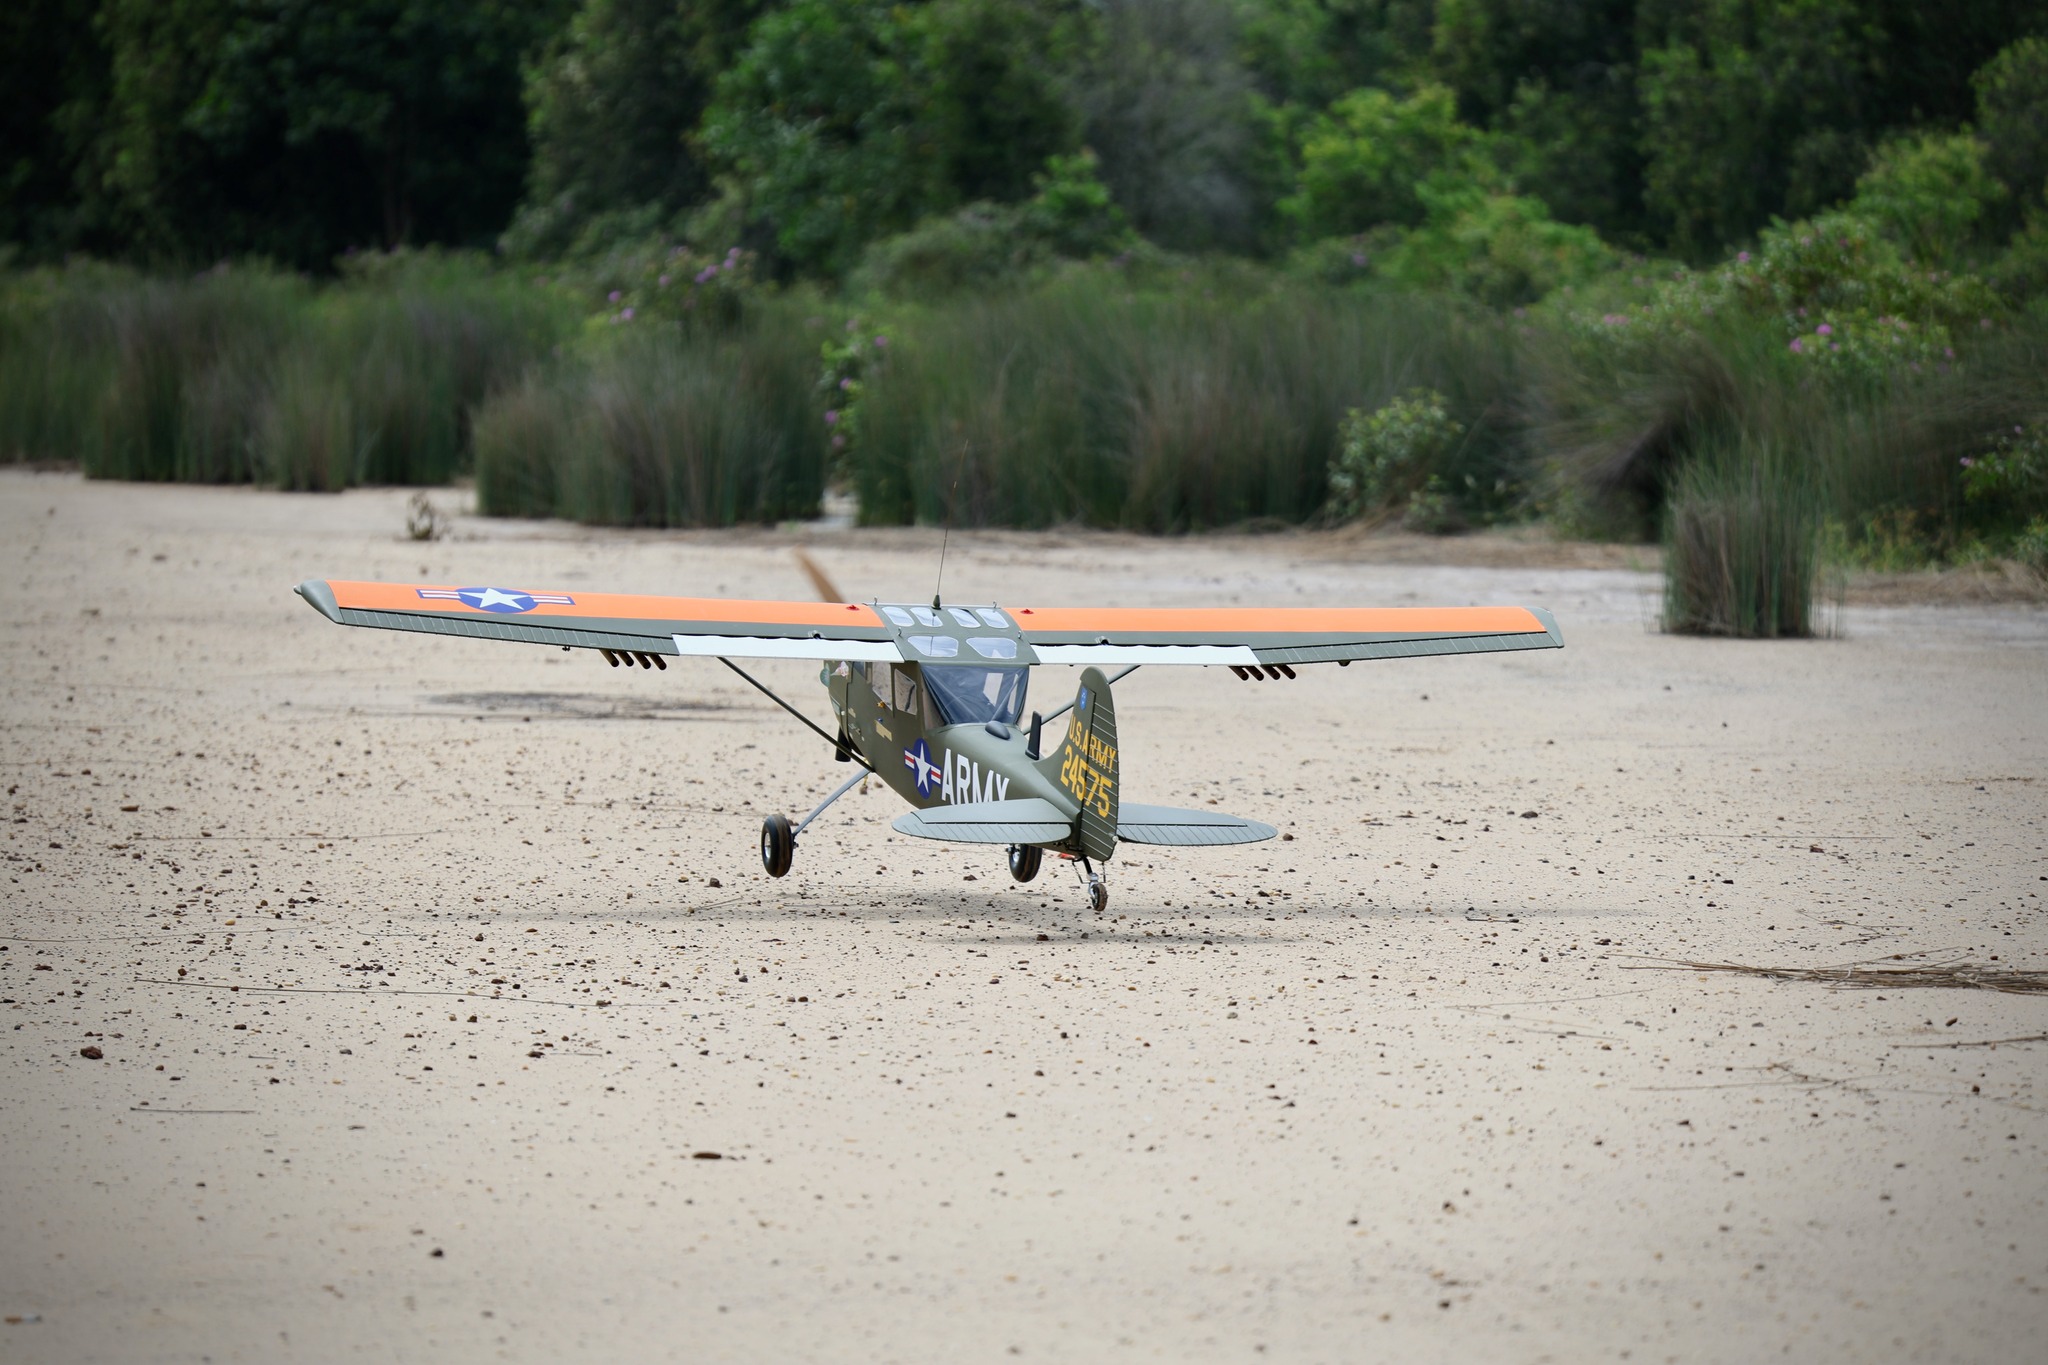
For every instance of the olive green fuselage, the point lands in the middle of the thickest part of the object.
(888, 712)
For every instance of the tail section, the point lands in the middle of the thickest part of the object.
(1086, 765)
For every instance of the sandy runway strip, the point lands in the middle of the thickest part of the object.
(427, 974)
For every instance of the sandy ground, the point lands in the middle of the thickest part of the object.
(428, 973)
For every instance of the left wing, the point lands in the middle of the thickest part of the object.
(616, 621)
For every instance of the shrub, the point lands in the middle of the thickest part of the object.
(1363, 160)
(1386, 455)
(1500, 249)
(1929, 191)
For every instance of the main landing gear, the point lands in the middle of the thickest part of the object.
(1024, 861)
(778, 845)
(778, 839)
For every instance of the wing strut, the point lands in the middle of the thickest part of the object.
(844, 788)
(763, 689)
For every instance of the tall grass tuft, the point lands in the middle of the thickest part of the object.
(1085, 401)
(242, 374)
(1742, 528)
(662, 427)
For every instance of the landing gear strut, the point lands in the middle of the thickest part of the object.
(1024, 861)
(778, 845)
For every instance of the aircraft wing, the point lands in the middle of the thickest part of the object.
(622, 622)
(1247, 637)
(650, 627)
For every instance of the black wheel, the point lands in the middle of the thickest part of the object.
(778, 845)
(1024, 861)
(1098, 896)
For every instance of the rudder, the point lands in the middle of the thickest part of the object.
(1086, 765)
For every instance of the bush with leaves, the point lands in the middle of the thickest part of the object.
(1929, 192)
(1843, 298)
(1384, 456)
(1364, 159)
(2009, 482)
(1501, 249)
(983, 245)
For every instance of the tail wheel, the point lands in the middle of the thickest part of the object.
(1098, 896)
(778, 845)
(1024, 861)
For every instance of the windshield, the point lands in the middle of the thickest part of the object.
(973, 696)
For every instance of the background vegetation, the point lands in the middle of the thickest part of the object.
(1641, 266)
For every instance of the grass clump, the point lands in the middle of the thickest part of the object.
(1194, 405)
(662, 426)
(1741, 547)
(247, 374)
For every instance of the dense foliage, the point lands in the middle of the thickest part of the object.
(1755, 275)
(186, 130)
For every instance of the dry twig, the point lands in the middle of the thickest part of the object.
(1871, 974)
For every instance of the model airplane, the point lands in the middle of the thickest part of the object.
(931, 699)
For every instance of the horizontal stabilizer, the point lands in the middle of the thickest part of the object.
(1029, 820)
(1186, 828)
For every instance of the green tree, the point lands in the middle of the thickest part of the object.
(52, 77)
(297, 128)
(1169, 107)
(1754, 109)
(612, 107)
(1308, 52)
(1363, 163)
(1557, 80)
(2012, 118)
(1929, 191)
(841, 123)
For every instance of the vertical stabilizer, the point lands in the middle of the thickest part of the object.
(1086, 765)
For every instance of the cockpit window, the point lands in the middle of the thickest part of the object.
(974, 696)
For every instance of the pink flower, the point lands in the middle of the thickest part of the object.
(882, 342)
(1797, 347)
(839, 443)
(1967, 462)
(612, 297)
(831, 417)
(709, 272)
(1825, 330)
(626, 315)
(1949, 351)
(1742, 257)
(663, 281)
